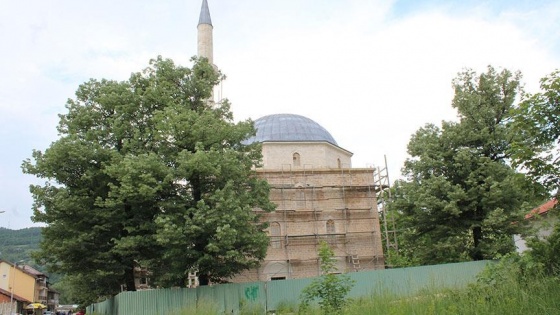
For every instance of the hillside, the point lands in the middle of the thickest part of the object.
(16, 245)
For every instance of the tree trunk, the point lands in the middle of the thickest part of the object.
(477, 237)
(129, 278)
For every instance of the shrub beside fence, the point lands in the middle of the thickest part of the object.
(227, 298)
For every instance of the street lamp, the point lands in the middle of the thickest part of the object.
(12, 287)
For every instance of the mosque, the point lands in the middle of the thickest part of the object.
(319, 196)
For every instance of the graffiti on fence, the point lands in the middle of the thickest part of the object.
(252, 292)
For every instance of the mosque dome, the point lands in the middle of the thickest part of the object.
(289, 128)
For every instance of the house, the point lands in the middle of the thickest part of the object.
(42, 293)
(11, 303)
(543, 222)
(19, 284)
(25, 285)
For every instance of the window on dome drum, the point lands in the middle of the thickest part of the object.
(296, 158)
(331, 231)
(275, 236)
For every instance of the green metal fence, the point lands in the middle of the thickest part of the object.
(227, 298)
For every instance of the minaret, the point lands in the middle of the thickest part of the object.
(205, 42)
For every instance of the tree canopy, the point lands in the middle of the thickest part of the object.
(461, 199)
(538, 120)
(149, 172)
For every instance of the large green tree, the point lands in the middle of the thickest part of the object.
(148, 171)
(538, 153)
(461, 200)
(538, 120)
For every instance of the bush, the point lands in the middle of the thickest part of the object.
(330, 289)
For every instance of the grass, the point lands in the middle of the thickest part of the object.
(537, 296)
(498, 292)
(509, 296)
(247, 308)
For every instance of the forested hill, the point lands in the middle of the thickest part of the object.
(17, 245)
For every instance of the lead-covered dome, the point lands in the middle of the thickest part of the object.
(289, 128)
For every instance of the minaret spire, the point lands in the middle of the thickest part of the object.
(205, 28)
(204, 14)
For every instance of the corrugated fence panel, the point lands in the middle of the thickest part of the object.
(149, 303)
(107, 307)
(407, 281)
(206, 295)
(166, 301)
(227, 298)
(285, 292)
(252, 295)
(177, 299)
(152, 302)
(129, 303)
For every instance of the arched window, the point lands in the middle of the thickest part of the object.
(296, 158)
(339, 163)
(275, 235)
(331, 231)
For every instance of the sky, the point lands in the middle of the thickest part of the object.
(371, 72)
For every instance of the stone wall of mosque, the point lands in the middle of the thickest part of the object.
(337, 206)
(304, 155)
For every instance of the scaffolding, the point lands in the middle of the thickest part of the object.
(311, 202)
(383, 191)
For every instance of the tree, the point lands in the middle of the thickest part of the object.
(149, 172)
(538, 120)
(461, 199)
(545, 251)
(330, 289)
(78, 289)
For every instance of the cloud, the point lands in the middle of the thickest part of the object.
(370, 72)
(372, 88)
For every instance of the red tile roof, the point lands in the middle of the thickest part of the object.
(542, 209)
(16, 297)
